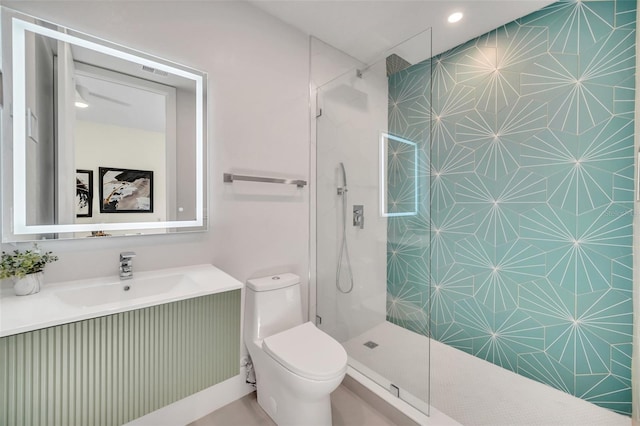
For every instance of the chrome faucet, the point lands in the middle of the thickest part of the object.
(126, 265)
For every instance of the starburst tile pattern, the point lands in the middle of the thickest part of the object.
(499, 338)
(530, 133)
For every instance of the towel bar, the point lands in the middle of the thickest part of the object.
(230, 177)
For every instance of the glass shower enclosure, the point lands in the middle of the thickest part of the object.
(371, 128)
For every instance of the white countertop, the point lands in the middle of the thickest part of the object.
(19, 314)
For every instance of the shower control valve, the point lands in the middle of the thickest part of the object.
(358, 215)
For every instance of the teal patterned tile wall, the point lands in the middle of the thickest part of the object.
(530, 204)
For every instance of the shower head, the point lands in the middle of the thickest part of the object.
(396, 64)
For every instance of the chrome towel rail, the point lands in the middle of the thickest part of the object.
(230, 177)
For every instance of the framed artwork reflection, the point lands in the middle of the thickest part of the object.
(125, 190)
(84, 193)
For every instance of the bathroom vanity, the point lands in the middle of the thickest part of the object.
(89, 352)
(76, 166)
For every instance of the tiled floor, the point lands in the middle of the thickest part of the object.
(347, 409)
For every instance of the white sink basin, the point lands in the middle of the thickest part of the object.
(136, 288)
(64, 302)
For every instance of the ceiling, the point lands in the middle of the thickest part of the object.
(368, 29)
(118, 104)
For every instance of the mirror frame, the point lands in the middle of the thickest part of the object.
(20, 227)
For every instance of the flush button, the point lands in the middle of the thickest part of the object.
(275, 278)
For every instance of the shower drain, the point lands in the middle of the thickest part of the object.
(371, 344)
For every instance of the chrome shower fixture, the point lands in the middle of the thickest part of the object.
(358, 216)
(343, 189)
(344, 249)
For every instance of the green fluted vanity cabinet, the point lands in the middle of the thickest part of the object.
(113, 369)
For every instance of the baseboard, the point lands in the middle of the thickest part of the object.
(198, 405)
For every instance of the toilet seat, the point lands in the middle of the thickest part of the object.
(308, 352)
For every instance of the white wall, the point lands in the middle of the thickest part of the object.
(258, 117)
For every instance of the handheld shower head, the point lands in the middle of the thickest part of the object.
(344, 175)
(342, 189)
(344, 250)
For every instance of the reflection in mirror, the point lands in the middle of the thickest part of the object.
(124, 122)
(105, 140)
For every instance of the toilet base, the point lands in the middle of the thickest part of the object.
(288, 412)
(292, 400)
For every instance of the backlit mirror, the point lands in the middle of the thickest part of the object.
(98, 139)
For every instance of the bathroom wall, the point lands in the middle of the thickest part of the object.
(258, 122)
(532, 196)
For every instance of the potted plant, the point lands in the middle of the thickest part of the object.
(26, 269)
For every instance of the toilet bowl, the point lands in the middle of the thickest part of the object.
(297, 366)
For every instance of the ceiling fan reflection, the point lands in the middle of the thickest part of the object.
(83, 95)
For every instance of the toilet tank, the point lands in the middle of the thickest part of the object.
(273, 304)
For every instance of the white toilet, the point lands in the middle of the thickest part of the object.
(297, 366)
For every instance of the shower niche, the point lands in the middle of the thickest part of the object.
(398, 176)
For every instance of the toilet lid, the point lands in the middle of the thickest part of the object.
(307, 352)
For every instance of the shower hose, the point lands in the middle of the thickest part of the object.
(344, 249)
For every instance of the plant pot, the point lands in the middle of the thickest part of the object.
(30, 284)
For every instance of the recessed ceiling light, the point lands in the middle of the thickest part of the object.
(455, 17)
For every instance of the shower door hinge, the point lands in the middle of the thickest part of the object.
(318, 320)
(318, 108)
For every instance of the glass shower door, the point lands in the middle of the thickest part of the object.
(372, 224)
